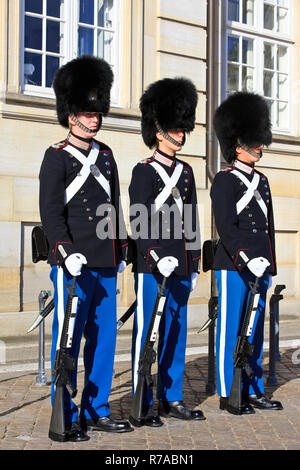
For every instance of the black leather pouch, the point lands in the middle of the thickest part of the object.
(39, 244)
(208, 253)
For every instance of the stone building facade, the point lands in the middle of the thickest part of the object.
(145, 40)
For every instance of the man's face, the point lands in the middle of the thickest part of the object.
(90, 120)
(247, 157)
(168, 147)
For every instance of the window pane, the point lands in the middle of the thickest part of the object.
(269, 56)
(232, 77)
(86, 11)
(53, 36)
(85, 41)
(52, 64)
(248, 12)
(269, 84)
(105, 45)
(33, 33)
(282, 115)
(233, 49)
(283, 3)
(34, 6)
(248, 51)
(104, 8)
(247, 79)
(269, 17)
(233, 10)
(32, 69)
(282, 17)
(282, 59)
(54, 8)
(282, 87)
(101, 12)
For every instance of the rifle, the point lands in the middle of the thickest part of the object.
(242, 351)
(63, 366)
(147, 358)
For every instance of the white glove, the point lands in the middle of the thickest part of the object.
(121, 266)
(194, 280)
(258, 266)
(74, 263)
(167, 265)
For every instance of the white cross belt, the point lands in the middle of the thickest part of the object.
(85, 171)
(251, 187)
(170, 182)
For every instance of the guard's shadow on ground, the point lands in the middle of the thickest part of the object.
(196, 389)
(194, 385)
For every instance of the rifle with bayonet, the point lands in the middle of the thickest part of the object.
(243, 351)
(63, 367)
(50, 306)
(147, 358)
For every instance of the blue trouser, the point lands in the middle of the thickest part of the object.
(233, 294)
(172, 333)
(96, 320)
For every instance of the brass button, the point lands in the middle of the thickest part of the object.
(90, 219)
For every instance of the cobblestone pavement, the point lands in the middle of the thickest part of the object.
(25, 415)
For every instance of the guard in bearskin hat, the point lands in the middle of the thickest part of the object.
(167, 245)
(78, 177)
(242, 206)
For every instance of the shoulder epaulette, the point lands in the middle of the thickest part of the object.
(261, 174)
(227, 169)
(147, 160)
(186, 164)
(103, 146)
(59, 145)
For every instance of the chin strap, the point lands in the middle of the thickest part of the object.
(83, 127)
(250, 150)
(167, 136)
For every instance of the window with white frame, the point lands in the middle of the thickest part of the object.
(258, 55)
(56, 31)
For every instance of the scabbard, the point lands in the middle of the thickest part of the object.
(126, 315)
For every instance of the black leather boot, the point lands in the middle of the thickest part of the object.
(245, 410)
(263, 403)
(177, 409)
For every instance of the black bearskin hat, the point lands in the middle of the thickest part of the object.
(82, 85)
(170, 101)
(242, 118)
